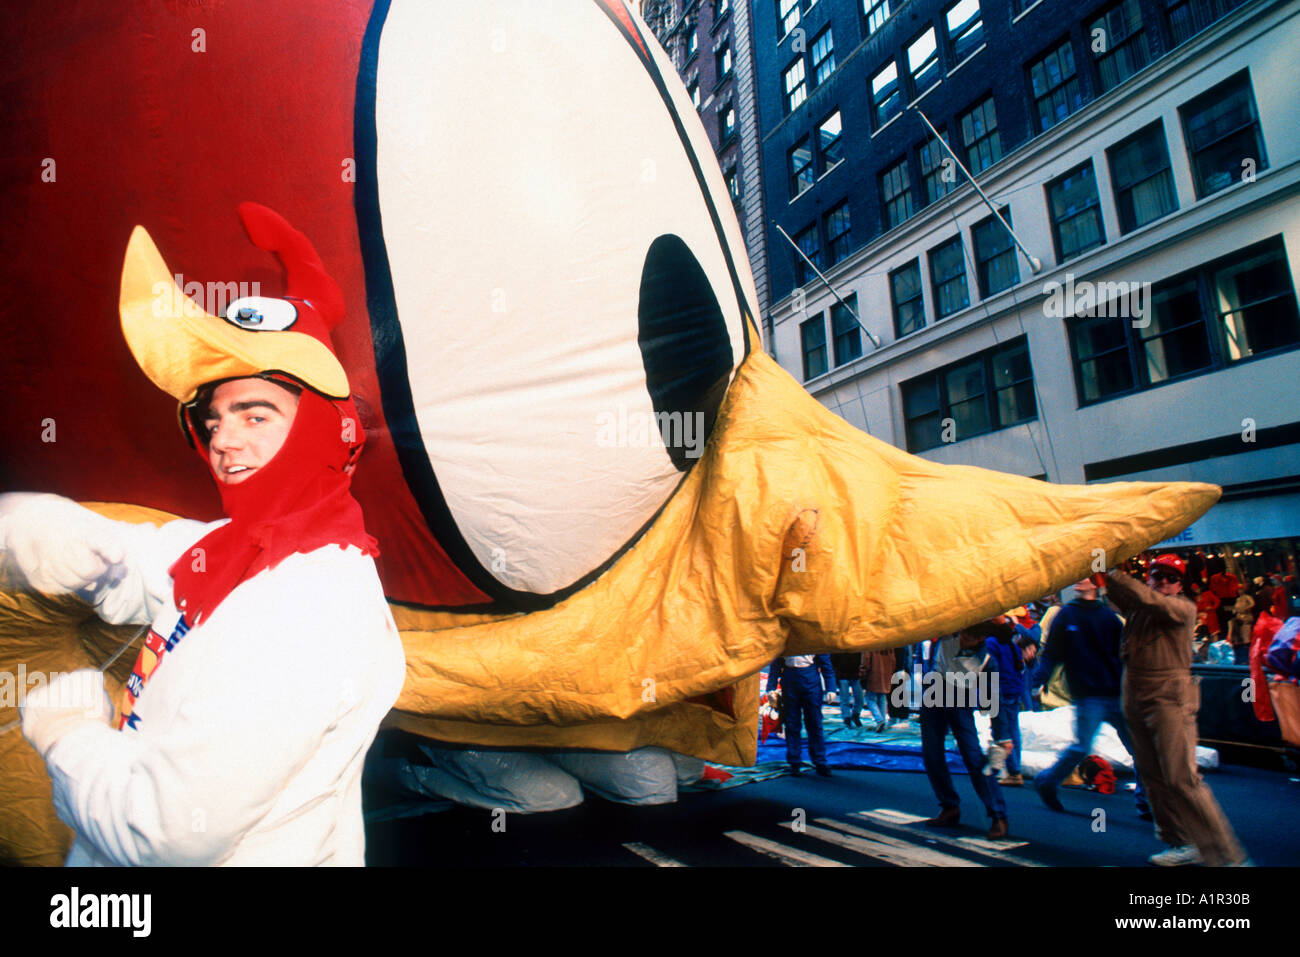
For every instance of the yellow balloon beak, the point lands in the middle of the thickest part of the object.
(794, 533)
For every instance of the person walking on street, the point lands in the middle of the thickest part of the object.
(1011, 688)
(952, 660)
(1160, 702)
(847, 666)
(804, 680)
(877, 671)
(1085, 636)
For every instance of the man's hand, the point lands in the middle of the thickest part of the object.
(57, 707)
(57, 546)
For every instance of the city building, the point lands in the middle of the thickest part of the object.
(1143, 151)
(710, 44)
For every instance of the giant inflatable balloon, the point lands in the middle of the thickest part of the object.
(602, 508)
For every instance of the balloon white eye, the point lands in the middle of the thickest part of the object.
(551, 374)
(261, 314)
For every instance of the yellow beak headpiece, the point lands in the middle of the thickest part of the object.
(180, 346)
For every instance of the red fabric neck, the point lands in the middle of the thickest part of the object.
(298, 502)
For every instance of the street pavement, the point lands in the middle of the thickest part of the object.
(856, 818)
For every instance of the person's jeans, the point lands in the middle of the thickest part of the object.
(803, 706)
(850, 688)
(876, 705)
(1006, 727)
(1089, 713)
(935, 724)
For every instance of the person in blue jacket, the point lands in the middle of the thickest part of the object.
(1005, 652)
(1085, 636)
(804, 680)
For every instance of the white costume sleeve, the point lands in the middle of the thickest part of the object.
(58, 547)
(274, 668)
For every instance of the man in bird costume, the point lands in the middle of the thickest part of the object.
(271, 655)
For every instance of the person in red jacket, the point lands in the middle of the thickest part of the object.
(1207, 605)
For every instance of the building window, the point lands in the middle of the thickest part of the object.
(813, 337)
(823, 57)
(1221, 127)
(979, 136)
(1075, 212)
(1232, 309)
(829, 143)
(1013, 384)
(787, 11)
(886, 101)
(996, 267)
(965, 28)
(896, 194)
(989, 391)
(1189, 17)
(846, 336)
(723, 59)
(810, 245)
(1139, 171)
(923, 61)
(1055, 86)
(726, 123)
(938, 178)
(905, 294)
(722, 9)
(877, 12)
(1254, 302)
(732, 178)
(801, 167)
(694, 91)
(948, 278)
(1119, 44)
(692, 44)
(1102, 364)
(796, 91)
(838, 241)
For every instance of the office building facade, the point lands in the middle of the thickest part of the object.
(1142, 151)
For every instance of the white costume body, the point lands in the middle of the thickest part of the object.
(253, 728)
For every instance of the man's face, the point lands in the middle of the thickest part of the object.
(247, 422)
(1086, 589)
(1164, 580)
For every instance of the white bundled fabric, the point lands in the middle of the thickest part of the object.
(643, 776)
(1045, 734)
(689, 769)
(514, 780)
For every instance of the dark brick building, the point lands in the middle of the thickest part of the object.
(844, 159)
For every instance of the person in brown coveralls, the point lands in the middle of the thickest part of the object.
(1160, 702)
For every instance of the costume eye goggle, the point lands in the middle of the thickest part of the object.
(261, 314)
(1165, 577)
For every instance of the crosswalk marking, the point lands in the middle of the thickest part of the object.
(653, 856)
(889, 815)
(994, 849)
(789, 856)
(880, 846)
(906, 853)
